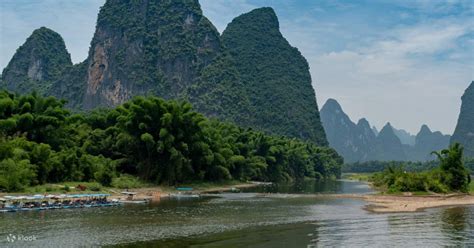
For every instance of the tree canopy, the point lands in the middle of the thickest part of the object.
(163, 142)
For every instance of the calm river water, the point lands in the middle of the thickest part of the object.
(244, 220)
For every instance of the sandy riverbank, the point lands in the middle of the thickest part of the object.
(160, 192)
(393, 203)
(377, 203)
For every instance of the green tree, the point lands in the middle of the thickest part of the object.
(456, 176)
(160, 141)
(15, 175)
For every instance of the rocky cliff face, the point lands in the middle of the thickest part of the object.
(340, 131)
(169, 49)
(388, 146)
(37, 63)
(427, 142)
(276, 76)
(464, 132)
(353, 142)
(158, 47)
(149, 46)
(71, 85)
(405, 137)
(366, 138)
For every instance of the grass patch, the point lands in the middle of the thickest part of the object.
(400, 193)
(65, 187)
(126, 181)
(421, 193)
(471, 187)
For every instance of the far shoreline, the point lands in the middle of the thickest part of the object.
(155, 192)
(383, 202)
(407, 202)
(377, 202)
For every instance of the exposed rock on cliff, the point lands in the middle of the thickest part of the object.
(37, 63)
(353, 142)
(149, 46)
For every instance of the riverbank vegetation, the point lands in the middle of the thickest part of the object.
(450, 176)
(133, 184)
(364, 177)
(157, 141)
(378, 166)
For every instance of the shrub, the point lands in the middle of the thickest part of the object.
(456, 175)
(94, 187)
(105, 175)
(450, 176)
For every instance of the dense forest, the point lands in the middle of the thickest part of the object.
(159, 141)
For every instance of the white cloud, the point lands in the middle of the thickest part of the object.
(399, 79)
(423, 39)
(74, 20)
(435, 6)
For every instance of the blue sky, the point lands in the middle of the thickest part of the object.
(407, 62)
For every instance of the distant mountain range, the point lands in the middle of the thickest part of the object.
(249, 75)
(405, 137)
(360, 142)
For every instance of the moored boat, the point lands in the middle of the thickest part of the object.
(184, 193)
(48, 202)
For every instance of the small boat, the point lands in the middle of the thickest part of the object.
(133, 201)
(184, 189)
(50, 202)
(184, 193)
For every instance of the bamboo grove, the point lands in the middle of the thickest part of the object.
(159, 141)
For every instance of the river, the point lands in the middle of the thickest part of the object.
(245, 219)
